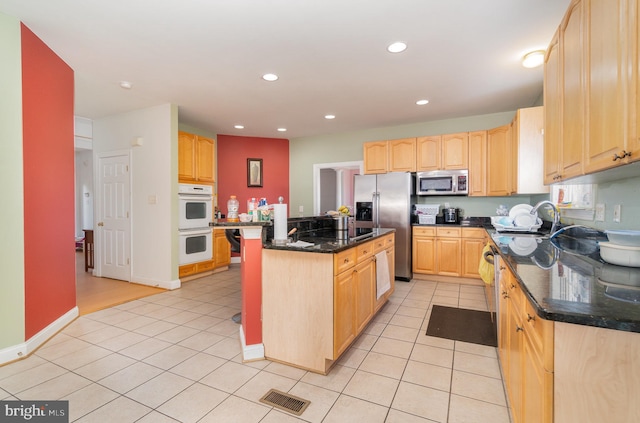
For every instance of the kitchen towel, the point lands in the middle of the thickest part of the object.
(383, 281)
(485, 268)
(280, 222)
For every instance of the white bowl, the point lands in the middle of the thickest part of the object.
(621, 255)
(623, 237)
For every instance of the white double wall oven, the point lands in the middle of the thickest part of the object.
(195, 211)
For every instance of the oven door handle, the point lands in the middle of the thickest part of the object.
(192, 232)
(195, 197)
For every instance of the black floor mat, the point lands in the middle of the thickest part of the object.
(464, 325)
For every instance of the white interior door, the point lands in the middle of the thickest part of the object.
(114, 222)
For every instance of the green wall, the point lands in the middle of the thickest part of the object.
(12, 314)
(307, 151)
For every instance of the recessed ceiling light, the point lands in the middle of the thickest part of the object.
(239, 126)
(422, 102)
(533, 59)
(126, 85)
(329, 116)
(397, 47)
(282, 129)
(270, 77)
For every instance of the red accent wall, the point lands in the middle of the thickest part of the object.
(233, 152)
(47, 110)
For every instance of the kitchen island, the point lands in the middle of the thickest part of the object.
(317, 299)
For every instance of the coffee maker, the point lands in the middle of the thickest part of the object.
(451, 215)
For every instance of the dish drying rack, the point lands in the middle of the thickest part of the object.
(427, 213)
(501, 227)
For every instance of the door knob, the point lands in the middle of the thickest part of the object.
(100, 223)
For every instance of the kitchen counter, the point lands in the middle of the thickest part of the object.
(328, 241)
(566, 281)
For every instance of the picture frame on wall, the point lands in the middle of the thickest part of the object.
(254, 172)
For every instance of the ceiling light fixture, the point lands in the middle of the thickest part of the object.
(422, 102)
(329, 116)
(533, 59)
(282, 129)
(126, 85)
(270, 77)
(397, 47)
(239, 126)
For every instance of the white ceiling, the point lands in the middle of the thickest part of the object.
(207, 56)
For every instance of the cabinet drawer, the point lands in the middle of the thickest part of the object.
(364, 251)
(424, 231)
(448, 232)
(204, 266)
(187, 269)
(476, 233)
(379, 245)
(344, 260)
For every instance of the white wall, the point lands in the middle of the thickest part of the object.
(154, 172)
(84, 191)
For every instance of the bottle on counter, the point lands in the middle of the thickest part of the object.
(232, 209)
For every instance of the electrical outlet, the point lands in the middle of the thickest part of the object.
(616, 213)
(600, 212)
(300, 209)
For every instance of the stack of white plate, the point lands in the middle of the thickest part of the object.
(520, 219)
(622, 249)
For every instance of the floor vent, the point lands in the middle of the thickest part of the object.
(286, 402)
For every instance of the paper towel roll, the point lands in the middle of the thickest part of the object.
(280, 221)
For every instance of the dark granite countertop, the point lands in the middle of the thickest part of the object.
(566, 281)
(328, 241)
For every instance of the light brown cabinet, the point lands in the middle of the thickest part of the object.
(528, 148)
(552, 112)
(448, 251)
(195, 268)
(423, 250)
(478, 164)
(499, 161)
(473, 242)
(449, 151)
(437, 250)
(390, 156)
(221, 249)
(196, 158)
(525, 347)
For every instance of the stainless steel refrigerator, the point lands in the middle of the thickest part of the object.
(384, 201)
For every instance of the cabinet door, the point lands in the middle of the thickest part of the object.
(537, 388)
(477, 164)
(455, 151)
(607, 80)
(515, 361)
(424, 255)
(365, 279)
(448, 257)
(528, 143)
(471, 256)
(573, 89)
(499, 174)
(344, 321)
(552, 112)
(186, 157)
(205, 154)
(402, 155)
(375, 157)
(428, 153)
(221, 249)
(390, 263)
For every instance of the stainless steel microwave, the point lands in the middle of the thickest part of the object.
(442, 182)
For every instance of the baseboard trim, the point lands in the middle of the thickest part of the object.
(174, 284)
(250, 352)
(24, 349)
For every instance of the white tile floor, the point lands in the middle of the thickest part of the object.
(175, 356)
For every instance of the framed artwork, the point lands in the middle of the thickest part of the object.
(254, 172)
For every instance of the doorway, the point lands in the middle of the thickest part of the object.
(333, 185)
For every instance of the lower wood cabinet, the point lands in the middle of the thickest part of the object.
(195, 268)
(314, 305)
(473, 242)
(447, 251)
(221, 249)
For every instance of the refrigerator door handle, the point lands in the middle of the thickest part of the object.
(376, 208)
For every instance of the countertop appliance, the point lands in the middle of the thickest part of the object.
(451, 215)
(384, 201)
(443, 182)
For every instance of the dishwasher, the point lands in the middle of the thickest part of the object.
(492, 257)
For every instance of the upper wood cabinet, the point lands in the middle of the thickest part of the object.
(528, 147)
(196, 158)
(402, 155)
(499, 161)
(375, 157)
(449, 151)
(478, 164)
(552, 112)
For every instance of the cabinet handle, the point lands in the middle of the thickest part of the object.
(513, 286)
(346, 261)
(623, 154)
(530, 317)
(502, 268)
(519, 329)
(505, 295)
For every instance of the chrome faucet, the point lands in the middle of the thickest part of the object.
(556, 213)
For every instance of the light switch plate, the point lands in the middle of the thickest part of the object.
(616, 213)
(600, 212)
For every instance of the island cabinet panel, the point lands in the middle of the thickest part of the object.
(314, 305)
(596, 374)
